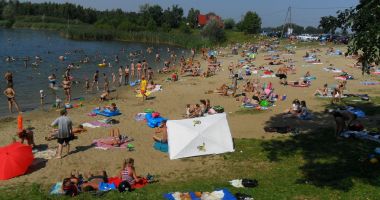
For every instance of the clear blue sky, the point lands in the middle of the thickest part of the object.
(272, 12)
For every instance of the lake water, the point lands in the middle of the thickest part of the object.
(49, 46)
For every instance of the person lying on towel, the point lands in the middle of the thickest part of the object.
(161, 133)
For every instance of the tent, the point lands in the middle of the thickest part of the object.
(199, 136)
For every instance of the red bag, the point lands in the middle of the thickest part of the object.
(155, 114)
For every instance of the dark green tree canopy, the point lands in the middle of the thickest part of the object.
(328, 24)
(364, 22)
(251, 23)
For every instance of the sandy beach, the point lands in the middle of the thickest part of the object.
(171, 104)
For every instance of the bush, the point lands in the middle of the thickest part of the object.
(214, 32)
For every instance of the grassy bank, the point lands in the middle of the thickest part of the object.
(307, 166)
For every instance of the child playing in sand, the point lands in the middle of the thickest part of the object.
(26, 135)
(58, 102)
(104, 96)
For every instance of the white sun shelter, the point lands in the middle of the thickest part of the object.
(199, 136)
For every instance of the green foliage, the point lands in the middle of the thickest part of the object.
(151, 25)
(251, 23)
(192, 17)
(229, 23)
(312, 30)
(213, 32)
(364, 22)
(328, 24)
(9, 12)
(184, 28)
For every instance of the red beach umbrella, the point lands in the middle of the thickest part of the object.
(15, 159)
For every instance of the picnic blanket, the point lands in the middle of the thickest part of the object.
(223, 194)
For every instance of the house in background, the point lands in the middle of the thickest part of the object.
(204, 19)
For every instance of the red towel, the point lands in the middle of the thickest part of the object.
(142, 183)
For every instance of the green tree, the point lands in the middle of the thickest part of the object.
(364, 22)
(312, 30)
(229, 23)
(214, 32)
(251, 23)
(151, 25)
(192, 17)
(9, 12)
(328, 24)
(185, 28)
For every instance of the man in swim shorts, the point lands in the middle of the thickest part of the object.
(65, 132)
(10, 93)
(282, 75)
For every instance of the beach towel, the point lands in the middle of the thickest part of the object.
(300, 86)
(106, 112)
(106, 186)
(333, 70)
(99, 144)
(95, 124)
(370, 83)
(147, 93)
(361, 135)
(268, 76)
(330, 96)
(134, 83)
(46, 154)
(142, 183)
(223, 194)
(140, 116)
(57, 189)
(159, 146)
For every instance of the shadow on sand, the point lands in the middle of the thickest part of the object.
(328, 161)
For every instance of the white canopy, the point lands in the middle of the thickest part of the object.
(199, 136)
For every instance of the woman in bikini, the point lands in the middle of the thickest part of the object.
(66, 83)
(139, 67)
(132, 71)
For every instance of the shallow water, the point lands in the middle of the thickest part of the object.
(48, 45)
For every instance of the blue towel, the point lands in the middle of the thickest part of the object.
(159, 146)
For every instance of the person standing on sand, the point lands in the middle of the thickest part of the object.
(143, 87)
(65, 132)
(126, 75)
(132, 70)
(66, 84)
(9, 78)
(96, 80)
(10, 93)
(120, 73)
(106, 82)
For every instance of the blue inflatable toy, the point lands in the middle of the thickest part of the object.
(153, 122)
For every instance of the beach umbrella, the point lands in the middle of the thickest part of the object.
(15, 159)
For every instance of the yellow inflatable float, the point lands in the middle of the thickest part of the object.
(102, 64)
